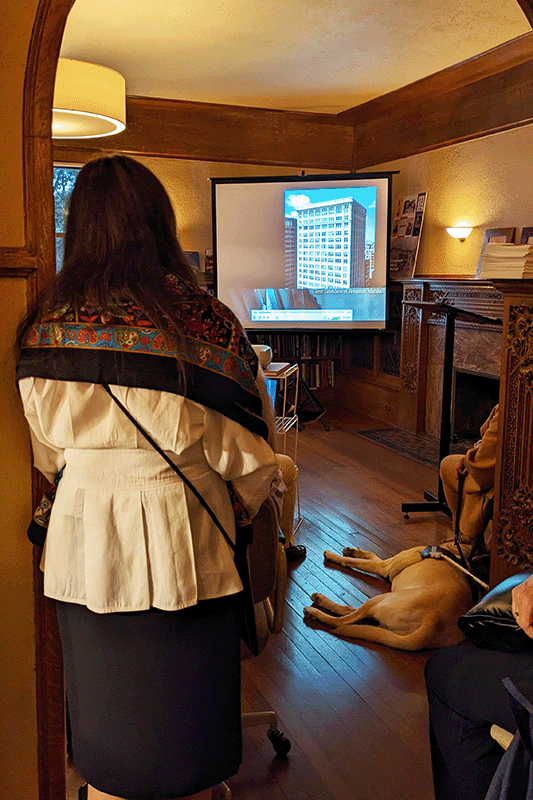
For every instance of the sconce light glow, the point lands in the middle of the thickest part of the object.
(460, 232)
(89, 101)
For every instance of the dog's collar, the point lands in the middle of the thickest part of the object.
(434, 551)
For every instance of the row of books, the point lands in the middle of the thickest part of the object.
(506, 260)
(317, 374)
(295, 346)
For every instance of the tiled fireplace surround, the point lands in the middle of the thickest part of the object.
(504, 351)
(477, 347)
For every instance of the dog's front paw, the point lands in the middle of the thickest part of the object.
(352, 552)
(329, 555)
(308, 612)
(316, 597)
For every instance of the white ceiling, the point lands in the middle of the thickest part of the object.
(304, 55)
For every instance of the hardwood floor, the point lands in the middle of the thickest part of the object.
(356, 714)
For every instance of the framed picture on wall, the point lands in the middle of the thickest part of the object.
(499, 235)
(405, 235)
(193, 257)
(526, 236)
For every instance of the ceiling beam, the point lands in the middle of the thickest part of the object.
(527, 8)
(493, 104)
(499, 59)
(491, 93)
(212, 132)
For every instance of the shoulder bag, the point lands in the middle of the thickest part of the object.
(490, 624)
(240, 549)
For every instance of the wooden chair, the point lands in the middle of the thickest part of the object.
(268, 575)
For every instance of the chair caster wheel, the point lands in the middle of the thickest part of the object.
(406, 516)
(279, 742)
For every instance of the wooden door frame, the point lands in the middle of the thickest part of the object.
(36, 261)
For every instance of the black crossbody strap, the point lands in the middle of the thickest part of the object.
(171, 464)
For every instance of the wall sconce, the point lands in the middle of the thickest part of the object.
(460, 232)
(89, 101)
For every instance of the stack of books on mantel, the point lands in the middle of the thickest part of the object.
(506, 261)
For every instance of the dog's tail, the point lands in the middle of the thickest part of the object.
(425, 636)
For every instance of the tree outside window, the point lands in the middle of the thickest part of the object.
(63, 183)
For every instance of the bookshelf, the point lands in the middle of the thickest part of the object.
(318, 355)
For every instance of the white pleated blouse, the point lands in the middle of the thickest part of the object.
(125, 533)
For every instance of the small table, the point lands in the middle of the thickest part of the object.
(286, 373)
(282, 371)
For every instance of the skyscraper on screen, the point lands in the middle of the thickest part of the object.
(330, 245)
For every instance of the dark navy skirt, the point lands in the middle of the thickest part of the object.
(154, 697)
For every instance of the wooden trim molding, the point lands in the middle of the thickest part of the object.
(498, 59)
(527, 8)
(486, 94)
(16, 262)
(495, 103)
(211, 132)
(411, 408)
(39, 264)
(512, 545)
(493, 91)
(417, 355)
(41, 67)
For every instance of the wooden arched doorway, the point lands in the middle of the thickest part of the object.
(37, 262)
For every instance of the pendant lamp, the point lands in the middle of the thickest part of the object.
(89, 101)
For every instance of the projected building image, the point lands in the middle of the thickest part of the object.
(329, 243)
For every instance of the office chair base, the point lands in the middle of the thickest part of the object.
(279, 742)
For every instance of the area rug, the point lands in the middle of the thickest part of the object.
(418, 446)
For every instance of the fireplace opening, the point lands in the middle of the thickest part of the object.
(474, 396)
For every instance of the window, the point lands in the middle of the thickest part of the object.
(63, 183)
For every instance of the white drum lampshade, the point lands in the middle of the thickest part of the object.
(89, 101)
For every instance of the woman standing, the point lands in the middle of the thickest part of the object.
(148, 597)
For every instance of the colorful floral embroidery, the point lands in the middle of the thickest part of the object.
(210, 334)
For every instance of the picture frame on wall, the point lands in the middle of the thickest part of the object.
(405, 235)
(526, 237)
(193, 257)
(498, 235)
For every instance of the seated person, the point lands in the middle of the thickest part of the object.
(478, 466)
(289, 474)
(466, 697)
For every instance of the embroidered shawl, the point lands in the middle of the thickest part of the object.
(121, 346)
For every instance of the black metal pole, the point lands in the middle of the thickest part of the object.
(447, 380)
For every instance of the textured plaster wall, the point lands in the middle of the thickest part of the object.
(189, 187)
(487, 183)
(18, 725)
(17, 20)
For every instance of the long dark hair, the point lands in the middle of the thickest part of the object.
(120, 244)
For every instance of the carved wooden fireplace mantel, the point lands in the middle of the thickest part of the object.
(507, 353)
(512, 546)
(477, 347)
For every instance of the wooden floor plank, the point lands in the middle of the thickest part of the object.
(356, 713)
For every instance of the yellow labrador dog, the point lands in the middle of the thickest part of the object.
(426, 599)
